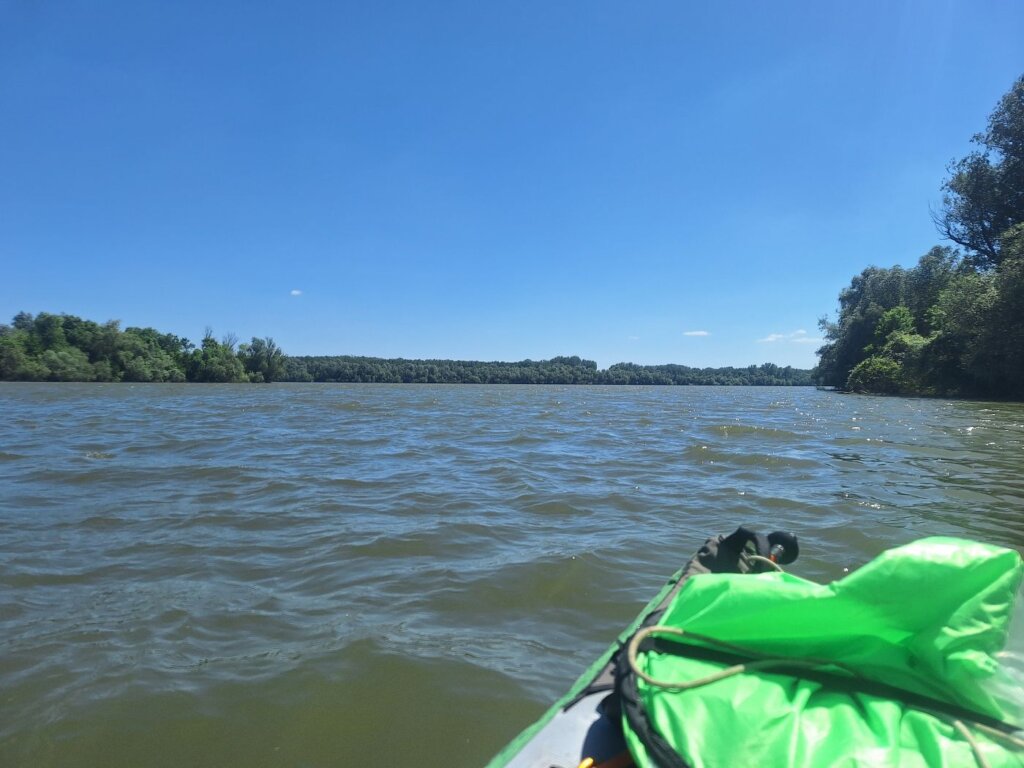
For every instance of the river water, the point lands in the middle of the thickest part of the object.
(315, 575)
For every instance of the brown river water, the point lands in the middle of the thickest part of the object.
(335, 575)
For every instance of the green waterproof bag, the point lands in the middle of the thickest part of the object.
(893, 665)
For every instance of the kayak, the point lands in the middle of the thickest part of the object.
(736, 662)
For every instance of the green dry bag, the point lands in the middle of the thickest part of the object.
(896, 664)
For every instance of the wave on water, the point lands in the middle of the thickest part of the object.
(299, 574)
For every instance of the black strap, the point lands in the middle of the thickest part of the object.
(663, 753)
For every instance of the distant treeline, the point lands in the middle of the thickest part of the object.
(953, 324)
(557, 370)
(51, 347)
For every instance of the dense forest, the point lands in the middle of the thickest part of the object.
(66, 348)
(558, 370)
(51, 347)
(954, 323)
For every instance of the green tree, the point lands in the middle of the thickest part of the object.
(871, 293)
(984, 196)
(263, 360)
(1005, 326)
(958, 355)
(68, 348)
(927, 280)
(878, 375)
(894, 362)
(67, 364)
(49, 329)
(896, 320)
(16, 361)
(141, 356)
(215, 362)
(23, 321)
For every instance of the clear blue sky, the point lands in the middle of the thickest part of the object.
(655, 182)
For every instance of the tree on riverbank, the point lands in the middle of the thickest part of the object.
(51, 347)
(953, 324)
(984, 196)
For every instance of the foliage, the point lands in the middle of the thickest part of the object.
(954, 324)
(861, 306)
(215, 362)
(51, 347)
(263, 360)
(965, 342)
(894, 362)
(877, 374)
(984, 197)
(897, 320)
(66, 348)
(558, 370)
(145, 355)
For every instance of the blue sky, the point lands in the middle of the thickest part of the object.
(654, 182)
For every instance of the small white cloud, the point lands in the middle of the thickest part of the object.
(696, 333)
(633, 338)
(295, 292)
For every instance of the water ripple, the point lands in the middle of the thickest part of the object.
(295, 574)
